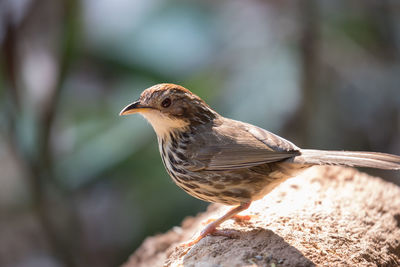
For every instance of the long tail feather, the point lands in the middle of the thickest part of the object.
(349, 158)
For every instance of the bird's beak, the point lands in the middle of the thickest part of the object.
(135, 107)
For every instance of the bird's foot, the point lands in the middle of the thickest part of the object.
(237, 218)
(226, 233)
(214, 232)
(242, 218)
(211, 228)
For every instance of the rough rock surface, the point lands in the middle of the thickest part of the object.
(329, 216)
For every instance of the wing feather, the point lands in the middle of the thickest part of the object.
(235, 145)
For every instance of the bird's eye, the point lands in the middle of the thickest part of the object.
(166, 103)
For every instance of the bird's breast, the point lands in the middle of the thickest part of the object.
(230, 187)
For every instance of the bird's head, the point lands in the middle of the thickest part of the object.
(170, 107)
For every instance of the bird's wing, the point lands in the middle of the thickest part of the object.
(237, 145)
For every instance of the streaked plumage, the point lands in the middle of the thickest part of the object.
(226, 161)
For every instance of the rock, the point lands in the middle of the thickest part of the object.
(328, 216)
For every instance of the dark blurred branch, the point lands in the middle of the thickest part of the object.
(11, 107)
(8, 50)
(38, 165)
(301, 122)
(49, 110)
(70, 242)
(383, 16)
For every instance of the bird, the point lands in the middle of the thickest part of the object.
(221, 160)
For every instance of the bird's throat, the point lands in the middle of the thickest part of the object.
(164, 124)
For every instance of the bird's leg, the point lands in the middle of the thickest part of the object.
(211, 228)
(238, 218)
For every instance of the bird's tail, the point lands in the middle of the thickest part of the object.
(349, 158)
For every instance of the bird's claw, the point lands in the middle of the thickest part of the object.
(237, 218)
(226, 233)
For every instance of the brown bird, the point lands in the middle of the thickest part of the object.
(217, 159)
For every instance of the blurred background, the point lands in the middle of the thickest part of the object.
(81, 186)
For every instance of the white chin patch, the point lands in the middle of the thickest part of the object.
(162, 124)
